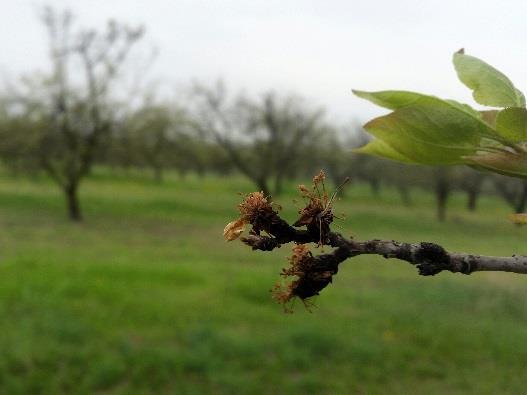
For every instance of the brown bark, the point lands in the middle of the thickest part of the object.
(73, 204)
(429, 258)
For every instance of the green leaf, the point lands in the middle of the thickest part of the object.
(489, 116)
(380, 148)
(391, 99)
(428, 130)
(412, 133)
(425, 129)
(490, 86)
(395, 100)
(511, 124)
(506, 163)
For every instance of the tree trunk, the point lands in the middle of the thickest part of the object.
(522, 201)
(72, 200)
(126, 166)
(442, 192)
(158, 174)
(404, 192)
(375, 186)
(182, 173)
(200, 170)
(262, 186)
(473, 195)
(278, 185)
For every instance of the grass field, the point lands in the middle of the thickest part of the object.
(146, 297)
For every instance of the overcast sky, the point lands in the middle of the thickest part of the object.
(318, 49)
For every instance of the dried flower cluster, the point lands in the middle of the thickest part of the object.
(317, 215)
(300, 262)
(309, 278)
(255, 209)
(308, 274)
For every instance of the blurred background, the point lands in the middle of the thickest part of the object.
(128, 130)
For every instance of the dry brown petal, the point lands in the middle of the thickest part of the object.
(310, 212)
(305, 219)
(234, 229)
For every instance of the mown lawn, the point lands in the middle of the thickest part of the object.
(146, 297)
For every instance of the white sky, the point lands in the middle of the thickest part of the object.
(318, 49)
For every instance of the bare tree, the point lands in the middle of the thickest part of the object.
(513, 191)
(336, 157)
(265, 138)
(75, 103)
(442, 188)
(153, 129)
(471, 182)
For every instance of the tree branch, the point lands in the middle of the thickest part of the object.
(309, 274)
(429, 258)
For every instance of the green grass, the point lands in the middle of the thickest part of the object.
(145, 297)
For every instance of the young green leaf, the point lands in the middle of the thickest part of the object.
(490, 86)
(380, 148)
(426, 135)
(390, 99)
(511, 124)
(425, 129)
(489, 116)
(506, 163)
(395, 100)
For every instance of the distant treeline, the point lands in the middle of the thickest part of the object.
(75, 116)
